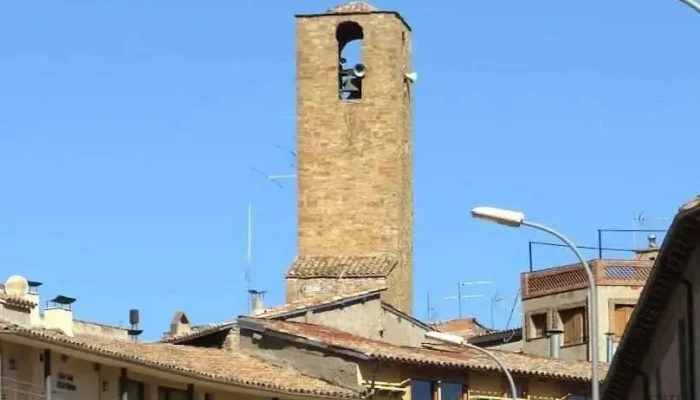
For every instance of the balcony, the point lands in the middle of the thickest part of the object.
(482, 395)
(13, 389)
(573, 277)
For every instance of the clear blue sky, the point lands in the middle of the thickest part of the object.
(128, 130)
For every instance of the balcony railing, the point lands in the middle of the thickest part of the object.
(573, 277)
(484, 395)
(13, 389)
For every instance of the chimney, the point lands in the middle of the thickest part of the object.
(179, 325)
(59, 314)
(134, 332)
(33, 296)
(257, 305)
(554, 342)
(652, 241)
(651, 251)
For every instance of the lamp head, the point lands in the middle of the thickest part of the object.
(445, 337)
(499, 216)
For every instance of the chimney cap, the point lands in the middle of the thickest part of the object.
(34, 284)
(652, 240)
(63, 300)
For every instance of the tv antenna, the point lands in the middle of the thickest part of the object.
(274, 178)
(248, 252)
(461, 296)
(512, 309)
(432, 313)
(495, 299)
(639, 222)
(288, 151)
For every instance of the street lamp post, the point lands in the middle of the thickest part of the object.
(458, 340)
(692, 4)
(516, 219)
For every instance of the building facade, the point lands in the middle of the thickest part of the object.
(47, 354)
(658, 355)
(555, 310)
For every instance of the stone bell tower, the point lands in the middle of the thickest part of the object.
(354, 155)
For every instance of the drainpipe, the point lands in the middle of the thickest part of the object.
(690, 317)
(48, 385)
(609, 351)
(555, 342)
(1, 370)
(123, 384)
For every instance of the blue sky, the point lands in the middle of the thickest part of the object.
(128, 131)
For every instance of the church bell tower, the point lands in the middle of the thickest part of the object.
(354, 155)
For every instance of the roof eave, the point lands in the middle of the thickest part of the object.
(395, 13)
(261, 327)
(161, 370)
(645, 319)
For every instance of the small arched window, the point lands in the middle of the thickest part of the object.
(351, 70)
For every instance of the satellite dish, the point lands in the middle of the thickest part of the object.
(411, 77)
(16, 286)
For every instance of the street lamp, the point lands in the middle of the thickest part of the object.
(692, 4)
(516, 219)
(459, 341)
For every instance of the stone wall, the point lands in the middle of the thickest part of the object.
(355, 156)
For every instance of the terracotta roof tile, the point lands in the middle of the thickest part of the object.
(352, 7)
(209, 364)
(16, 301)
(440, 356)
(341, 267)
(199, 331)
(300, 305)
(464, 327)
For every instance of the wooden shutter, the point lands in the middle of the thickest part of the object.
(623, 312)
(574, 325)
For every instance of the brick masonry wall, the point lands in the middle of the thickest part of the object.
(355, 192)
(302, 289)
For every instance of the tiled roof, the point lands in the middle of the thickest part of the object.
(454, 357)
(674, 258)
(199, 332)
(307, 304)
(505, 336)
(352, 7)
(464, 327)
(209, 364)
(341, 267)
(16, 301)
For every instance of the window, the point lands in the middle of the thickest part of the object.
(538, 325)
(135, 390)
(172, 394)
(421, 390)
(521, 387)
(574, 322)
(450, 391)
(623, 312)
(428, 390)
